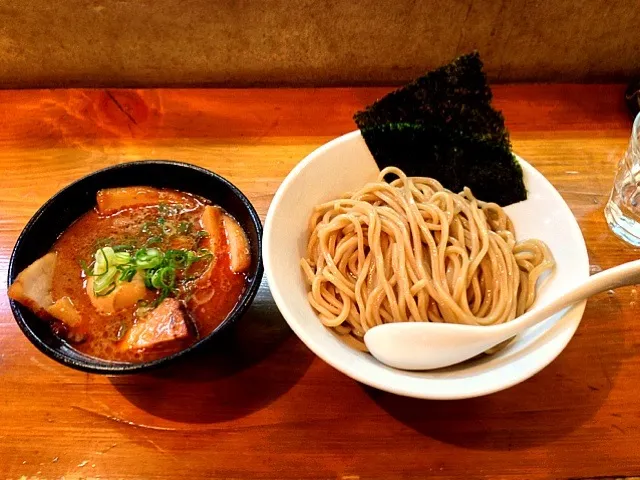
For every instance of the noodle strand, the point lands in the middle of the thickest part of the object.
(410, 250)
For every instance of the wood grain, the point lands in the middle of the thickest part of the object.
(261, 405)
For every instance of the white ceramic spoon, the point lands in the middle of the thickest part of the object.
(429, 345)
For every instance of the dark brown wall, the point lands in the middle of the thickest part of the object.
(323, 42)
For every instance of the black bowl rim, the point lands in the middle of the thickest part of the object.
(124, 367)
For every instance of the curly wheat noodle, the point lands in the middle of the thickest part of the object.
(411, 251)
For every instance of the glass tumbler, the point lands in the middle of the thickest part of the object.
(623, 208)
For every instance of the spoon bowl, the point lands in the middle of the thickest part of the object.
(429, 345)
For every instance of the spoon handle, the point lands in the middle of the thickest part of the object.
(619, 276)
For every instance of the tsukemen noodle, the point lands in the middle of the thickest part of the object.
(408, 250)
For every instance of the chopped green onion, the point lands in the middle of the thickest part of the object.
(102, 257)
(206, 256)
(168, 229)
(151, 227)
(128, 274)
(201, 234)
(159, 228)
(163, 294)
(121, 331)
(105, 283)
(121, 258)
(169, 210)
(154, 240)
(191, 258)
(177, 258)
(107, 291)
(147, 278)
(160, 270)
(164, 278)
(204, 253)
(168, 278)
(107, 256)
(147, 258)
(123, 248)
(87, 269)
(156, 279)
(185, 227)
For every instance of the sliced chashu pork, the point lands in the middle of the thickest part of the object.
(163, 326)
(215, 222)
(32, 288)
(238, 245)
(212, 224)
(111, 200)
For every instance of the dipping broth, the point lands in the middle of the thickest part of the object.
(145, 274)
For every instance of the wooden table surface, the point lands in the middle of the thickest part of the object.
(265, 406)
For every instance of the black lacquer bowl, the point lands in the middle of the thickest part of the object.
(78, 198)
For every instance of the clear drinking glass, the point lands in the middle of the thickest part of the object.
(623, 208)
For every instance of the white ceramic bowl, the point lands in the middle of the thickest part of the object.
(345, 164)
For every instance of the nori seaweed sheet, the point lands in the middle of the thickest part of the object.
(442, 126)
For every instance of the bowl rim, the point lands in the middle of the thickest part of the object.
(354, 373)
(86, 364)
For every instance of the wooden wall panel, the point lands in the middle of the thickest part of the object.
(310, 42)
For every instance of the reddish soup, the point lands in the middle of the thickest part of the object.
(145, 274)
